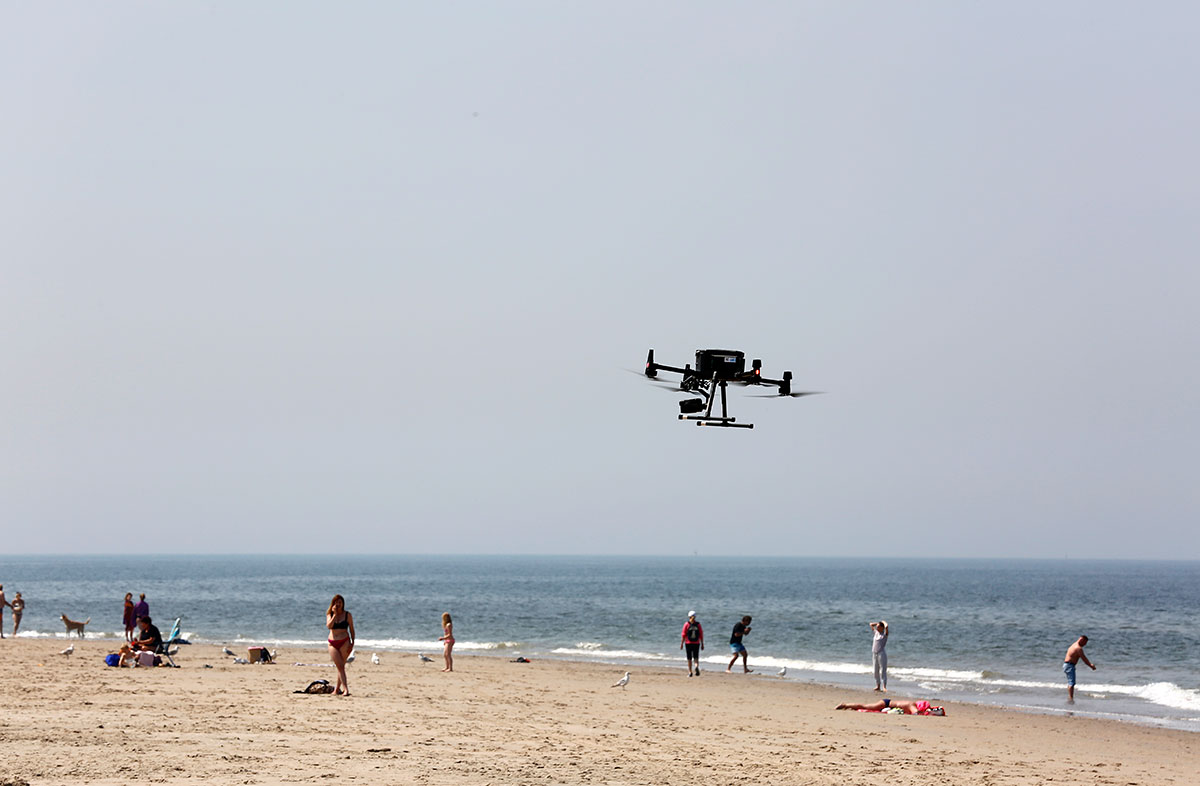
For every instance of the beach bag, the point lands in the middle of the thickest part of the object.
(146, 659)
(112, 660)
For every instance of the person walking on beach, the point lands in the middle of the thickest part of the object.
(879, 653)
(141, 608)
(341, 640)
(692, 637)
(18, 608)
(130, 618)
(3, 602)
(736, 647)
(448, 639)
(1073, 656)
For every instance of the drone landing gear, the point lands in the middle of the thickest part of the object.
(707, 418)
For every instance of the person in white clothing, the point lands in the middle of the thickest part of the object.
(879, 654)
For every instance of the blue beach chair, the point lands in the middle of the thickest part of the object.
(164, 649)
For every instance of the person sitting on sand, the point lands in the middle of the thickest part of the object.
(18, 608)
(149, 639)
(910, 706)
(448, 638)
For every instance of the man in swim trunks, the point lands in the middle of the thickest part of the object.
(735, 644)
(1073, 656)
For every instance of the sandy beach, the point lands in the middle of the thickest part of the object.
(73, 720)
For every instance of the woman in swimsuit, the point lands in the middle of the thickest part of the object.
(130, 620)
(448, 630)
(18, 608)
(341, 639)
(921, 707)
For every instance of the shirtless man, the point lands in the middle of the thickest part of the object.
(1073, 656)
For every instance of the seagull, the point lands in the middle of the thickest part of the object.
(621, 683)
(424, 658)
(272, 654)
(68, 650)
(351, 658)
(783, 672)
(173, 651)
(375, 658)
(228, 652)
(240, 660)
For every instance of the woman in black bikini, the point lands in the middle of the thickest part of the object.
(341, 639)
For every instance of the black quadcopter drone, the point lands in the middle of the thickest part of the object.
(715, 370)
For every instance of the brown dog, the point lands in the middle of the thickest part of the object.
(72, 625)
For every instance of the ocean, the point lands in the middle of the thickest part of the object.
(985, 631)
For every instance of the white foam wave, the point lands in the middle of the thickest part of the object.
(603, 654)
(401, 645)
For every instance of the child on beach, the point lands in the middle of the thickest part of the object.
(448, 638)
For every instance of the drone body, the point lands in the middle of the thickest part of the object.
(715, 369)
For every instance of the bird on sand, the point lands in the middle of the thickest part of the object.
(375, 658)
(68, 650)
(228, 652)
(783, 672)
(424, 658)
(621, 683)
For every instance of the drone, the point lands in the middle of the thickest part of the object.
(715, 370)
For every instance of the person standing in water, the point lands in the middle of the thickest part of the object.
(692, 637)
(18, 608)
(740, 629)
(1073, 656)
(879, 653)
(141, 608)
(341, 640)
(130, 618)
(448, 638)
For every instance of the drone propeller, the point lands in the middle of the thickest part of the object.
(786, 395)
(659, 384)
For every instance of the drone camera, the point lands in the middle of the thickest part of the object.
(691, 406)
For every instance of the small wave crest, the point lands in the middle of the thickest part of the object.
(603, 654)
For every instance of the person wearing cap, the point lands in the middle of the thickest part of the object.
(692, 637)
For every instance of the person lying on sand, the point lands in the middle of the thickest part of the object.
(910, 707)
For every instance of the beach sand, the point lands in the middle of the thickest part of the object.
(73, 720)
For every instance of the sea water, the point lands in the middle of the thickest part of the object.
(984, 631)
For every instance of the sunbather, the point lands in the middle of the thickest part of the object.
(910, 707)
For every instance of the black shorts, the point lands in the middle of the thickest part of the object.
(693, 650)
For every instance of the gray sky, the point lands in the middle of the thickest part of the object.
(330, 277)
